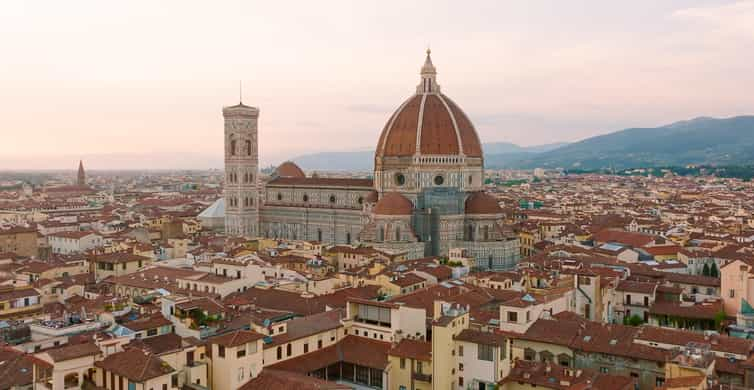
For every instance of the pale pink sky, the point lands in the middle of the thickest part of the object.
(141, 83)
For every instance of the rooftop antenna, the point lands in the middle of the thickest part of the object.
(240, 92)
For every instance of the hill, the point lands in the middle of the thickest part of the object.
(707, 141)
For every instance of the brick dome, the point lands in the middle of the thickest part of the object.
(482, 203)
(393, 203)
(289, 169)
(429, 121)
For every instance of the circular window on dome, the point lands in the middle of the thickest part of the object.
(306, 198)
(400, 179)
(439, 180)
(361, 200)
(332, 198)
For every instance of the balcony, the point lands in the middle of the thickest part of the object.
(422, 377)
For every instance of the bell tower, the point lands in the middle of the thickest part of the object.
(241, 170)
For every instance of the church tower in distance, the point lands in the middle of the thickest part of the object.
(241, 169)
(81, 177)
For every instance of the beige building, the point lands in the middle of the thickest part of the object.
(19, 240)
(236, 358)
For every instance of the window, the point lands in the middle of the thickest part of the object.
(419, 367)
(604, 370)
(659, 381)
(628, 299)
(152, 332)
(403, 363)
(646, 301)
(332, 198)
(306, 347)
(439, 180)
(460, 366)
(319, 344)
(460, 381)
(484, 352)
(241, 351)
(280, 352)
(233, 147)
(305, 198)
(240, 373)
(512, 316)
(732, 293)
(221, 351)
(288, 350)
(248, 148)
(174, 380)
(460, 350)
(400, 179)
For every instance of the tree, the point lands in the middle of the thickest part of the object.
(705, 270)
(719, 318)
(634, 320)
(713, 271)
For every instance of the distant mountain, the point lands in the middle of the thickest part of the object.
(337, 161)
(364, 160)
(703, 140)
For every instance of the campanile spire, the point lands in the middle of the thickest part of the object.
(81, 177)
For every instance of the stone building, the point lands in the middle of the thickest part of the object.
(426, 198)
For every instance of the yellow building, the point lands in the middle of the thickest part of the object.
(18, 302)
(117, 264)
(411, 365)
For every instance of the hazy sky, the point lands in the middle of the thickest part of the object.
(137, 84)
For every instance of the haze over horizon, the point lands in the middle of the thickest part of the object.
(141, 84)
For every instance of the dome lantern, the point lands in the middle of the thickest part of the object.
(428, 81)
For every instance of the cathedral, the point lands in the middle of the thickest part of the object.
(426, 197)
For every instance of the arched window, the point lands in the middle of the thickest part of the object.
(397, 233)
(306, 198)
(348, 238)
(233, 147)
(280, 352)
(280, 196)
(319, 235)
(486, 232)
(381, 234)
(248, 148)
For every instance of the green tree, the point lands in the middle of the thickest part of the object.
(705, 270)
(719, 318)
(713, 271)
(634, 320)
